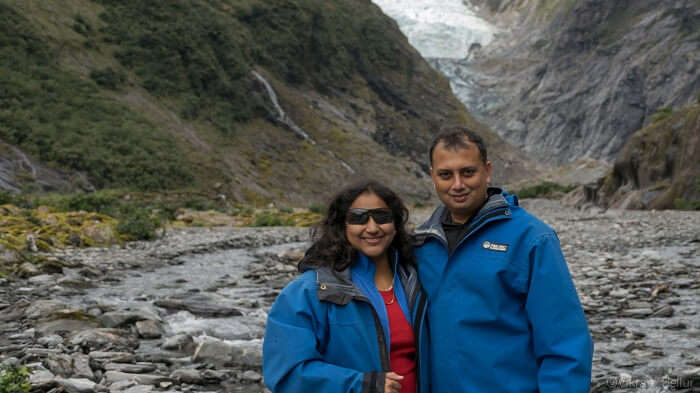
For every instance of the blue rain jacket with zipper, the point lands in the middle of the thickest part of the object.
(329, 332)
(504, 314)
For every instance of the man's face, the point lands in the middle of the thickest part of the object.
(461, 179)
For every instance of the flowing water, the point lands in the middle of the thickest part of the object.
(221, 274)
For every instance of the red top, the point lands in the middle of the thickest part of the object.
(403, 347)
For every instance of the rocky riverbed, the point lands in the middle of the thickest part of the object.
(187, 313)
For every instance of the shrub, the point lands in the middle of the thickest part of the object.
(14, 380)
(662, 114)
(317, 208)
(138, 224)
(272, 220)
(8, 197)
(197, 204)
(108, 78)
(99, 202)
(684, 204)
(81, 26)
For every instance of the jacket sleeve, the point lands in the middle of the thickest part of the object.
(292, 362)
(561, 340)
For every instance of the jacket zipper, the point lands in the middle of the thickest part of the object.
(417, 329)
(381, 340)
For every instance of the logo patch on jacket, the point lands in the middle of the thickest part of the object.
(495, 246)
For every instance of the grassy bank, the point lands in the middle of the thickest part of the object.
(31, 224)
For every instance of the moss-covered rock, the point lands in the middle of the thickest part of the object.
(45, 230)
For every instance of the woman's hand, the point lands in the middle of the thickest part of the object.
(391, 383)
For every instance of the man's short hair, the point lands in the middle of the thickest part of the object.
(456, 137)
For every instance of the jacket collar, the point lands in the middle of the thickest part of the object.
(497, 200)
(338, 288)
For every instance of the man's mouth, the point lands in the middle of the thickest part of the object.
(460, 198)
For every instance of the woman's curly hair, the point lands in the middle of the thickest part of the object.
(330, 246)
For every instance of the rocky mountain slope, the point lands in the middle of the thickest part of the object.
(569, 79)
(261, 101)
(659, 166)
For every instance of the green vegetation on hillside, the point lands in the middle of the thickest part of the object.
(63, 120)
(200, 53)
(147, 96)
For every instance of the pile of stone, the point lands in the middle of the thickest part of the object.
(637, 274)
(100, 347)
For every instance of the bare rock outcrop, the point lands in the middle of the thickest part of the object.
(659, 167)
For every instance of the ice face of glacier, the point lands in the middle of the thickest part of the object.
(443, 29)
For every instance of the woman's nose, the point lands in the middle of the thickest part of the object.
(371, 225)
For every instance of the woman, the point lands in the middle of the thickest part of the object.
(353, 321)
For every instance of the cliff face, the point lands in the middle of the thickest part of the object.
(259, 100)
(576, 78)
(659, 167)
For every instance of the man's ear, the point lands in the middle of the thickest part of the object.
(488, 172)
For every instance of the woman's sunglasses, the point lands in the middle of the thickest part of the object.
(359, 216)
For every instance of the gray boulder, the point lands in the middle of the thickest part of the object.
(203, 304)
(99, 339)
(59, 364)
(77, 385)
(149, 329)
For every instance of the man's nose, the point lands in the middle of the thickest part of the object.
(458, 183)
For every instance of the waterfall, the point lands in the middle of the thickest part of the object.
(282, 116)
(284, 119)
(25, 160)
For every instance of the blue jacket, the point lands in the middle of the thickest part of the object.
(329, 332)
(504, 314)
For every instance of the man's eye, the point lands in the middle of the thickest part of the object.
(444, 175)
(468, 172)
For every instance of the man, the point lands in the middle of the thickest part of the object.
(503, 312)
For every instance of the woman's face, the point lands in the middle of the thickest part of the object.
(370, 238)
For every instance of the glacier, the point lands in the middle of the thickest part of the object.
(444, 29)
